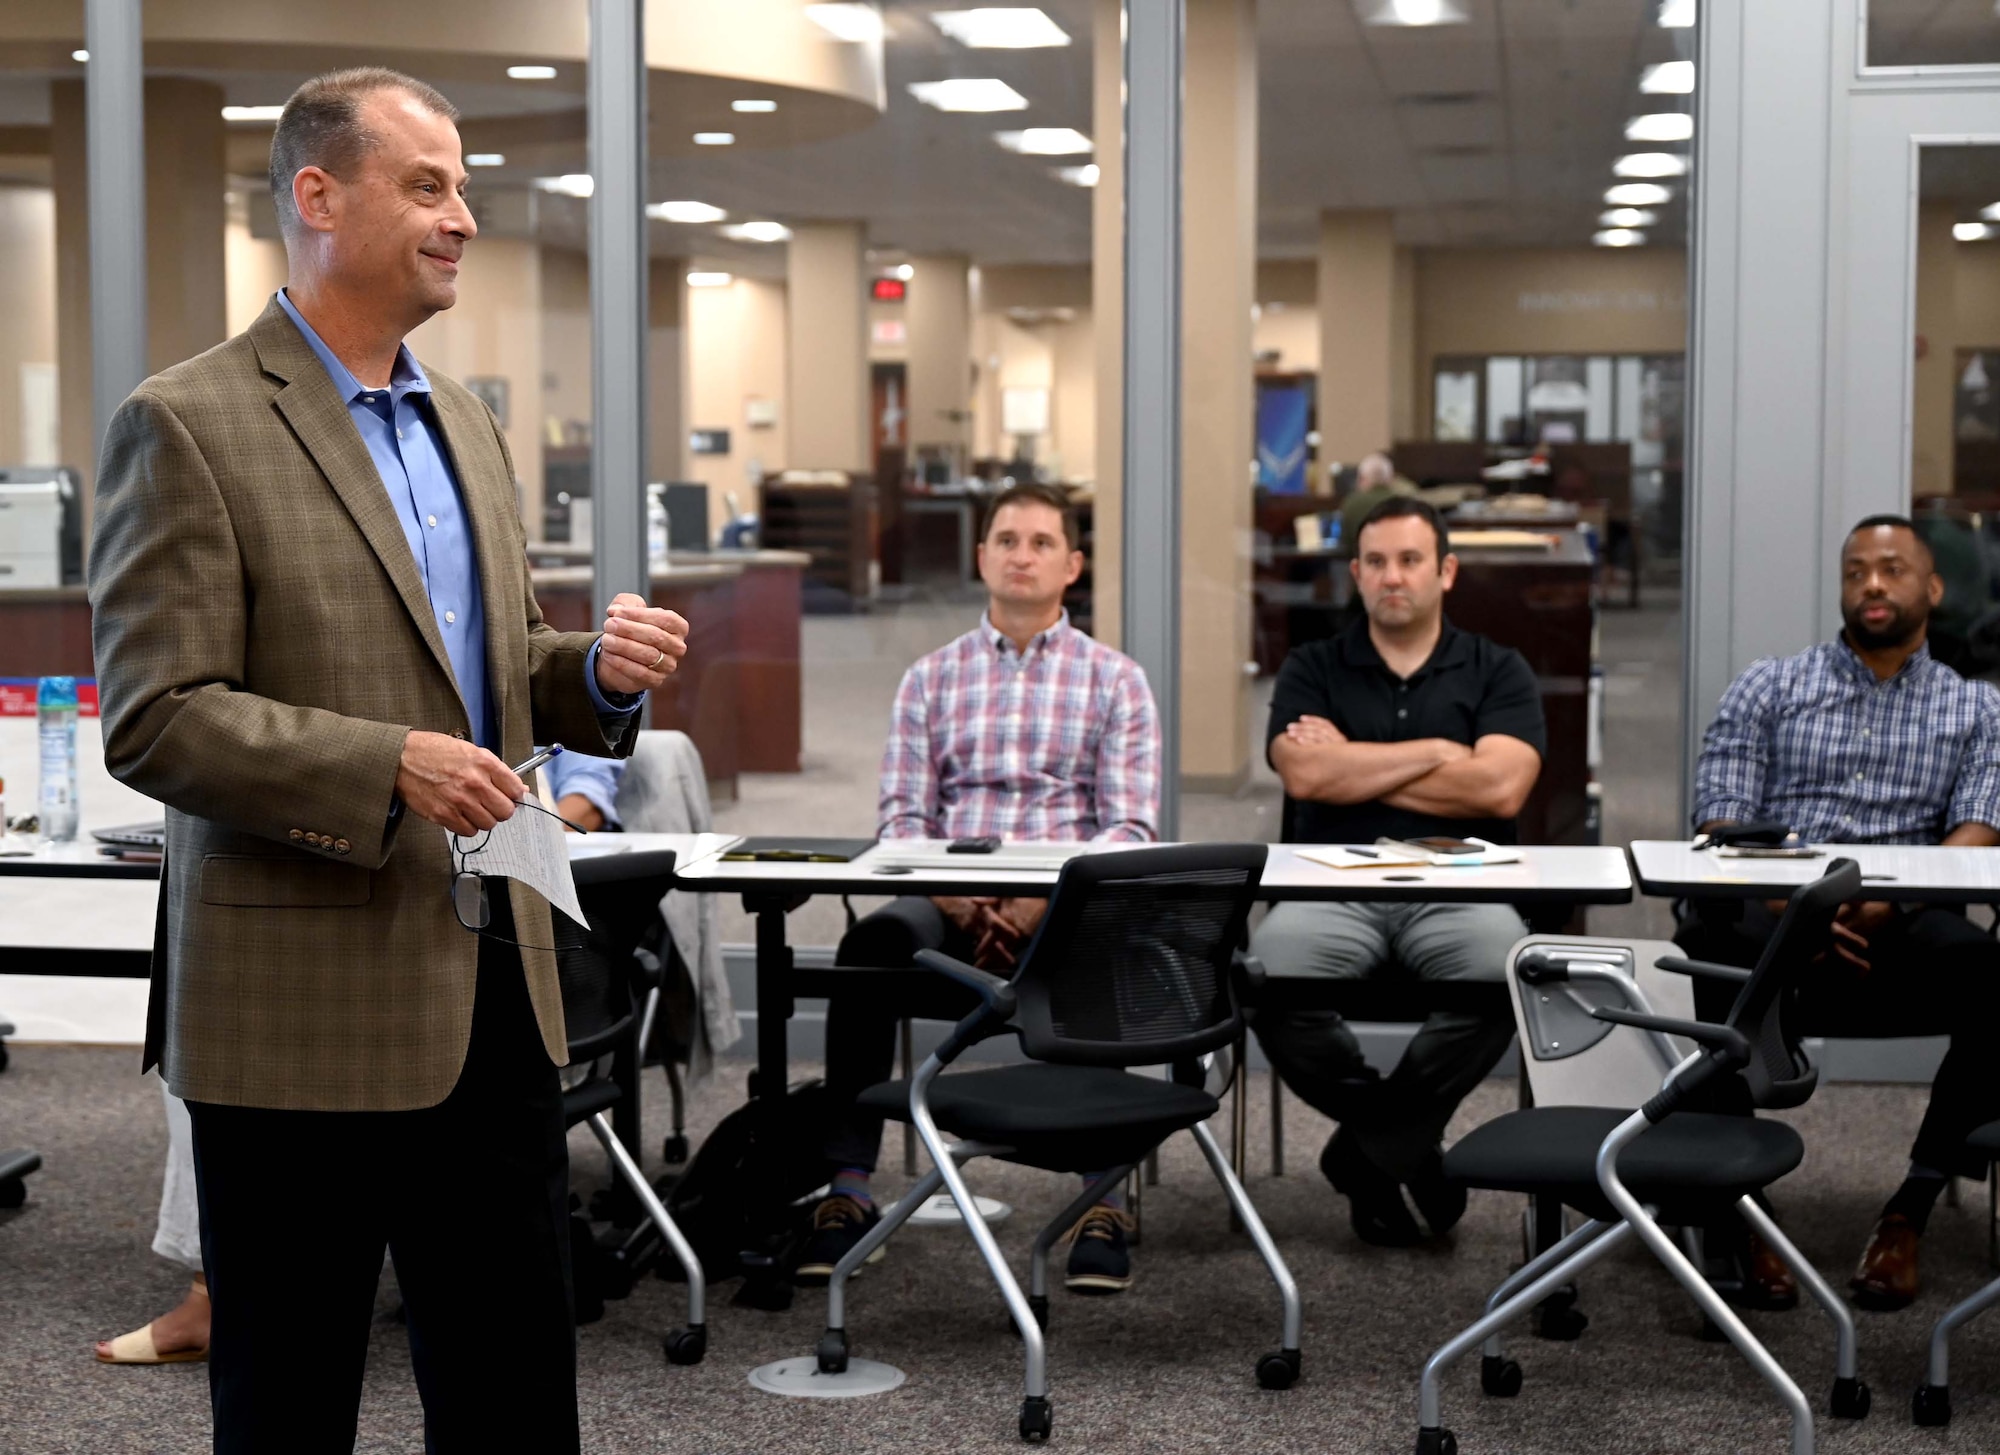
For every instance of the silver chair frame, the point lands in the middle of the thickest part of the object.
(1535, 1280)
(946, 1161)
(635, 1179)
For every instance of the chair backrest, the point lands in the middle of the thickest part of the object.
(1132, 963)
(620, 895)
(1779, 1074)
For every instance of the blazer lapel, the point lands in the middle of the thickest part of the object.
(468, 441)
(318, 415)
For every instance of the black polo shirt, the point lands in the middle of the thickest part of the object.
(1469, 687)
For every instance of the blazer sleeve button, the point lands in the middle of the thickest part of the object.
(341, 846)
(313, 839)
(297, 836)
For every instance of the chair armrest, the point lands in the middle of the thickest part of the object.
(1249, 971)
(996, 1007)
(1725, 1042)
(1702, 969)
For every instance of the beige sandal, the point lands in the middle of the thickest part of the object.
(137, 1348)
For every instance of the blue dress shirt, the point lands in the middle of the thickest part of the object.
(399, 429)
(595, 778)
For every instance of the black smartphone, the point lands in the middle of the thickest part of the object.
(985, 844)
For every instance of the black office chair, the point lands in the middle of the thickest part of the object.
(620, 895)
(1628, 1172)
(1134, 965)
(1931, 1404)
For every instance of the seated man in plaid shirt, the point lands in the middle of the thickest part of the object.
(1869, 740)
(1024, 729)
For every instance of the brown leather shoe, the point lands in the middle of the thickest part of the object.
(1887, 1277)
(1767, 1282)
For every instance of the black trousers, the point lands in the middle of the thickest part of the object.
(1933, 972)
(470, 1198)
(861, 1028)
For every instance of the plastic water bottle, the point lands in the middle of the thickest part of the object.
(55, 720)
(656, 529)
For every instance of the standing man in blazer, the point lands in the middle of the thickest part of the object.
(317, 645)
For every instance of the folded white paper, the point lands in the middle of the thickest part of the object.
(529, 847)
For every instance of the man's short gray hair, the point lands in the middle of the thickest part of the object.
(1376, 469)
(321, 127)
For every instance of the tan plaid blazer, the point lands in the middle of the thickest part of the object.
(264, 645)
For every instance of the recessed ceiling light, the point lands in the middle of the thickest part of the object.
(715, 138)
(531, 73)
(486, 159)
(1628, 217)
(1045, 141)
(1972, 231)
(1637, 194)
(1618, 237)
(569, 184)
(753, 104)
(708, 280)
(903, 271)
(851, 23)
(1992, 213)
(79, 55)
(1668, 78)
(995, 27)
(252, 113)
(1083, 176)
(689, 212)
(1418, 12)
(969, 94)
(1660, 126)
(1650, 164)
(1676, 14)
(760, 232)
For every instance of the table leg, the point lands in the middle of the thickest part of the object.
(766, 1283)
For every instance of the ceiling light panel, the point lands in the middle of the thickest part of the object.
(252, 113)
(753, 105)
(569, 184)
(1414, 12)
(1660, 126)
(1650, 164)
(685, 212)
(1083, 176)
(854, 24)
(1676, 14)
(1637, 194)
(701, 279)
(1972, 231)
(715, 138)
(1618, 237)
(969, 94)
(1045, 141)
(1991, 213)
(486, 159)
(997, 27)
(531, 73)
(759, 232)
(1668, 78)
(1628, 217)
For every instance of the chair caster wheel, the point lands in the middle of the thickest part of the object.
(1279, 1370)
(1499, 1376)
(13, 1192)
(832, 1352)
(1563, 1323)
(1851, 1400)
(1036, 1419)
(1931, 1405)
(686, 1346)
(1436, 1442)
(674, 1150)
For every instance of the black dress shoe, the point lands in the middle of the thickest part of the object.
(1375, 1199)
(1438, 1198)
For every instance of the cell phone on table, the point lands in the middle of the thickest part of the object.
(983, 844)
(1440, 844)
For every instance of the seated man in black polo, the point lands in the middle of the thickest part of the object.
(1867, 740)
(1401, 726)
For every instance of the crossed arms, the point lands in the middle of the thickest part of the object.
(1490, 779)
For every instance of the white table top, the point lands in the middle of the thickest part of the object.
(1546, 874)
(1927, 872)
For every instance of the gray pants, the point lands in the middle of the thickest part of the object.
(1400, 1122)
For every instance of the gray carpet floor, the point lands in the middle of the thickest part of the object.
(1167, 1367)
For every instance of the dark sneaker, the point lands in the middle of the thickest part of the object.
(1375, 1199)
(1100, 1261)
(839, 1223)
(1438, 1198)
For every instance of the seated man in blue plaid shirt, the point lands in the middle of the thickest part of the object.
(1868, 740)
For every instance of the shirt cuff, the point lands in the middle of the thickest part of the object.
(608, 704)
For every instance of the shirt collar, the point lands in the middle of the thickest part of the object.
(1851, 662)
(405, 377)
(1359, 648)
(1003, 643)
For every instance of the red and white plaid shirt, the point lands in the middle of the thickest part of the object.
(1058, 742)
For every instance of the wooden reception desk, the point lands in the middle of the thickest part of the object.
(737, 694)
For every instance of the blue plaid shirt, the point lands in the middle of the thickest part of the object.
(1816, 741)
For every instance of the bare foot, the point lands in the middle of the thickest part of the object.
(180, 1330)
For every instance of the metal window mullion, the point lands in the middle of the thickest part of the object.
(115, 144)
(618, 295)
(1155, 34)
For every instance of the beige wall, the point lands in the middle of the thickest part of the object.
(939, 318)
(565, 389)
(1357, 286)
(1291, 330)
(826, 348)
(1976, 295)
(1933, 375)
(666, 364)
(27, 303)
(253, 269)
(1073, 410)
(736, 352)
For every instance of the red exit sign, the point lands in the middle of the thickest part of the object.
(888, 290)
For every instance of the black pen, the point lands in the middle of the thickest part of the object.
(1364, 853)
